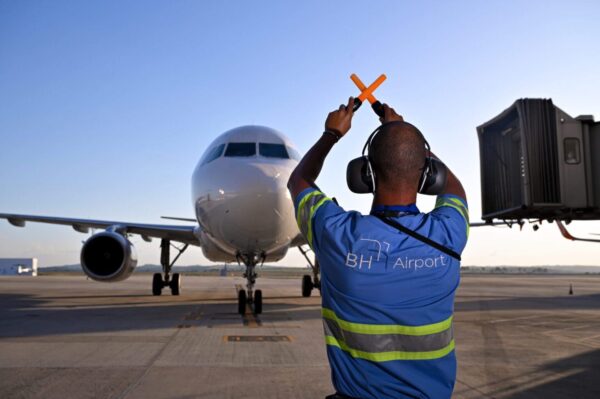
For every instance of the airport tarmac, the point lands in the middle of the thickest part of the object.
(517, 336)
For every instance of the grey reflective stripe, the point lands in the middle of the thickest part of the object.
(374, 343)
(306, 210)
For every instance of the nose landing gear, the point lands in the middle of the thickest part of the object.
(249, 296)
(172, 281)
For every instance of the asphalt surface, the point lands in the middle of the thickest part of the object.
(68, 337)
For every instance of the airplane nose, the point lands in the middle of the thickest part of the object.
(261, 190)
(254, 207)
(265, 178)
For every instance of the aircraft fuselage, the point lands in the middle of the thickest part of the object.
(240, 195)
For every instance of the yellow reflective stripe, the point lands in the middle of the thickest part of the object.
(304, 216)
(387, 328)
(456, 204)
(313, 209)
(388, 356)
(302, 203)
(460, 210)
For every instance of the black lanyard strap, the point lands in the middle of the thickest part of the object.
(420, 237)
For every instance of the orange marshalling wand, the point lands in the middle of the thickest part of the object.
(367, 93)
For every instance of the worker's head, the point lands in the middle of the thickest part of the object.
(397, 155)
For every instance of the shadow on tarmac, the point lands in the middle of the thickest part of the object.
(581, 381)
(580, 302)
(25, 316)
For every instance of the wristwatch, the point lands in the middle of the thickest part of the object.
(333, 134)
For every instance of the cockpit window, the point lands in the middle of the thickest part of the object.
(294, 154)
(273, 150)
(240, 150)
(213, 154)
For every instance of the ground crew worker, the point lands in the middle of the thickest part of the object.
(387, 298)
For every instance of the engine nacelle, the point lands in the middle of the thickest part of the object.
(108, 256)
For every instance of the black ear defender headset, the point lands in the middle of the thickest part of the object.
(361, 178)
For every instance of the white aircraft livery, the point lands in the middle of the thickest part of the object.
(244, 213)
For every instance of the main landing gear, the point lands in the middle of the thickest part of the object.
(249, 296)
(172, 281)
(310, 282)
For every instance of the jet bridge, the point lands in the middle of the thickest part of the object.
(537, 162)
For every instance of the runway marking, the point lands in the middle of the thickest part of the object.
(561, 335)
(592, 337)
(257, 338)
(516, 318)
(471, 387)
(534, 379)
(561, 330)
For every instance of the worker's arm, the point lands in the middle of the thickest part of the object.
(453, 185)
(338, 123)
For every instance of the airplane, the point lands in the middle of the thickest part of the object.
(244, 213)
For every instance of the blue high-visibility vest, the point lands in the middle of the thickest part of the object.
(387, 298)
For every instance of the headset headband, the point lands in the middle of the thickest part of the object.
(380, 127)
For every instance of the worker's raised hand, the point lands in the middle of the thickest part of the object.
(340, 121)
(390, 115)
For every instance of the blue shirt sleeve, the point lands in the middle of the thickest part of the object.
(452, 213)
(313, 207)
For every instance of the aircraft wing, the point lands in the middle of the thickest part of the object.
(184, 234)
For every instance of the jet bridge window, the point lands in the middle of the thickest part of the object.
(240, 150)
(273, 150)
(572, 154)
(213, 154)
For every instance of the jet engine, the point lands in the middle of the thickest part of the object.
(108, 257)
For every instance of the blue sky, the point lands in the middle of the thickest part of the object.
(106, 106)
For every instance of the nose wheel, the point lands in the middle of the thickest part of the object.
(255, 302)
(242, 300)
